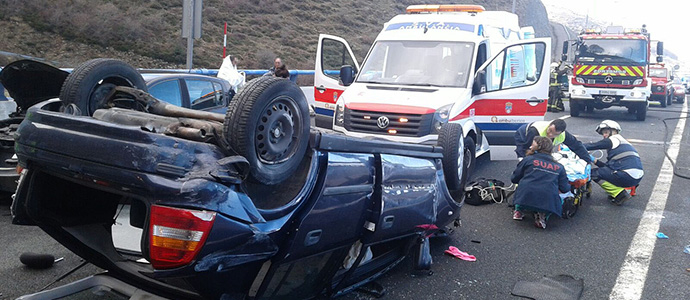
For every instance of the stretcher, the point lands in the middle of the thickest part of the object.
(579, 176)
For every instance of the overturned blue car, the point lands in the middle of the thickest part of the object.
(253, 204)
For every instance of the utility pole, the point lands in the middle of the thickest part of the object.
(191, 25)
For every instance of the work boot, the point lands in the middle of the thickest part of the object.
(621, 198)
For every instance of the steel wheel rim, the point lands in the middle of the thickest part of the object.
(461, 158)
(278, 131)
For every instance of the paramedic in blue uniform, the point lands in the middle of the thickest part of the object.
(623, 167)
(554, 130)
(539, 178)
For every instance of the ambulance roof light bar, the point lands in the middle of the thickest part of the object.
(438, 8)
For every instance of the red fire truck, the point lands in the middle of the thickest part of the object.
(611, 69)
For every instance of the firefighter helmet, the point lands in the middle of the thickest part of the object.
(608, 124)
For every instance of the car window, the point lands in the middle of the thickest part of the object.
(168, 91)
(203, 94)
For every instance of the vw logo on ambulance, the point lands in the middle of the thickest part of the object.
(382, 122)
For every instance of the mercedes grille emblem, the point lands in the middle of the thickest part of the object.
(608, 79)
(382, 122)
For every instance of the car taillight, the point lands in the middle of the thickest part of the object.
(176, 235)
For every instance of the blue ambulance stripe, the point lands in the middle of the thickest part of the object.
(323, 111)
(499, 126)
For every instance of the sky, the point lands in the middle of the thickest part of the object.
(666, 20)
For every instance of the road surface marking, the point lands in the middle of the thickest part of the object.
(633, 273)
(564, 117)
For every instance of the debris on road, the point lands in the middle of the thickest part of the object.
(454, 251)
(661, 235)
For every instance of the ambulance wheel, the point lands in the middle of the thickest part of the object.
(575, 108)
(267, 122)
(569, 207)
(641, 113)
(458, 155)
(86, 88)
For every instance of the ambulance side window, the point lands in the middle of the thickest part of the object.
(481, 56)
(516, 66)
(334, 55)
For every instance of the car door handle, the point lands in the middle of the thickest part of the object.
(320, 88)
(534, 100)
(312, 238)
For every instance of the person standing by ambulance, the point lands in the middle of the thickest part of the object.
(539, 178)
(623, 167)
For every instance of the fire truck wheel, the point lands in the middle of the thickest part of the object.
(267, 122)
(86, 88)
(589, 108)
(575, 108)
(458, 155)
(641, 113)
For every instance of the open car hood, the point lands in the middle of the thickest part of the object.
(30, 82)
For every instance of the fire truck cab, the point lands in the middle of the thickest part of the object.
(661, 84)
(450, 75)
(611, 69)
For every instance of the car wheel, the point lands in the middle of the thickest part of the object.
(267, 122)
(86, 88)
(575, 108)
(681, 99)
(458, 155)
(641, 112)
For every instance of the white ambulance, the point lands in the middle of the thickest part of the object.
(450, 75)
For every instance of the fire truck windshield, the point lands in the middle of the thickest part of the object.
(613, 51)
(654, 72)
(418, 63)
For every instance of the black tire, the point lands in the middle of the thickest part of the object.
(631, 110)
(681, 99)
(275, 106)
(641, 112)
(85, 88)
(589, 108)
(569, 208)
(575, 108)
(451, 139)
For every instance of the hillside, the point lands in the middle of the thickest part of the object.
(148, 35)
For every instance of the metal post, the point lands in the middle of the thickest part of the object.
(513, 6)
(190, 38)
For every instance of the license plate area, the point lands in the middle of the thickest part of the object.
(606, 92)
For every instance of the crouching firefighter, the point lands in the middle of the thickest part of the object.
(623, 167)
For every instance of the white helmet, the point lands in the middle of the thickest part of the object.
(554, 65)
(608, 124)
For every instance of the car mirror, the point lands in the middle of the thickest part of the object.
(347, 75)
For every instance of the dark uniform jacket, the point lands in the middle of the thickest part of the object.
(540, 179)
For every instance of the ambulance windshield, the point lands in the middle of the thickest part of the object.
(613, 51)
(418, 63)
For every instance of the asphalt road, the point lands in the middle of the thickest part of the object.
(593, 246)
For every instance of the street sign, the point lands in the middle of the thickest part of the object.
(191, 18)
